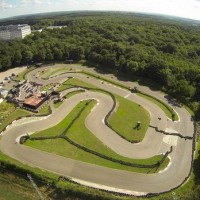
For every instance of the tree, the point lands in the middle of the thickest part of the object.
(57, 53)
(27, 56)
(6, 62)
(185, 90)
(17, 58)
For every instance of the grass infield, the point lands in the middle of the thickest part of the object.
(125, 119)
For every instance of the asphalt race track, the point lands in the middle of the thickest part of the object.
(154, 142)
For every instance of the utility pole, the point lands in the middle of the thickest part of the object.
(35, 186)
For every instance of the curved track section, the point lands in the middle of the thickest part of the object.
(101, 177)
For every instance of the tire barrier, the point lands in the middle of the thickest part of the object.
(173, 134)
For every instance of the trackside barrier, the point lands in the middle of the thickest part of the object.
(173, 134)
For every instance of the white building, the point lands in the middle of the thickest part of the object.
(14, 31)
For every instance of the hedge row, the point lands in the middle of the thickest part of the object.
(44, 138)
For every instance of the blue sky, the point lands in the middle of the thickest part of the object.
(183, 8)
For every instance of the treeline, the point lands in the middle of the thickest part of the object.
(166, 52)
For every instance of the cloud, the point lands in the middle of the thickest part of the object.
(5, 5)
(184, 8)
(34, 2)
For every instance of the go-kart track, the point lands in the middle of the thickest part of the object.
(105, 178)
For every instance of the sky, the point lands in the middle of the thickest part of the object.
(182, 8)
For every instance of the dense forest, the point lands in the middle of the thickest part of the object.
(165, 51)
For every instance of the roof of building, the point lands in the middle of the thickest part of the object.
(33, 101)
(13, 27)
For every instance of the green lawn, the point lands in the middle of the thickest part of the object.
(81, 135)
(125, 119)
(58, 104)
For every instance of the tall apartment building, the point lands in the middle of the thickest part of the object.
(14, 31)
